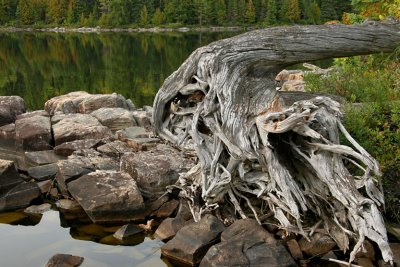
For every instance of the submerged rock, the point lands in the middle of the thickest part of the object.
(64, 260)
(10, 108)
(155, 169)
(9, 177)
(79, 127)
(127, 231)
(192, 241)
(246, 243)
(108, 196)
(114, 118)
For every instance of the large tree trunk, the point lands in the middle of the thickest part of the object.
(264, 154)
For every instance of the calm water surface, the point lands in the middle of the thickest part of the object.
(38, 66)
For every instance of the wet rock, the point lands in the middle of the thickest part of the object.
(68, 205)
(142, 119)
(115, 149)
(79, 127)
(67, 148)
(319, 244)
(34, 133)
(246, 243)
(43, 172)
(64, 260)
(108, 196)
(10, 108)
(20, 196)
(38, 209)
(294, 249)
(9, 177)
(7, 132)
(155, 169)
(192, 241)
(78, 165)
(114, 118)
(127, 231)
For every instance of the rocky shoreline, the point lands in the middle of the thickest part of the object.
(99, 29)
(97, 154)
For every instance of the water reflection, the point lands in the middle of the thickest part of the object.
(34, 245)
(38, 66)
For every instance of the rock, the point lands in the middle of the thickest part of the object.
(167, 209)
(364, 262)
(10, 108)
(142, 144)
(294, 249)
(33, 114)
(80, 164)
(9, 177)
(38, 158)
(367, 251)
(45, 186)
(114, 118)
(319, 244)
(20, 196)
(108, 196)
(95, 102)
(141, 118)
(38, 209)
(64, 260)
(34, 133)
(155, 169)
(67, 148)
(115, 149)
(79, 127)
(68, 205)
(127, 231)
(66, 104)
(396, 252)
(7, 132)
(192, 241)
(133, 133)
(246, 243)
(43, 172)
(293, 85)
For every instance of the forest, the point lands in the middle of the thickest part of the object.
(148, 13)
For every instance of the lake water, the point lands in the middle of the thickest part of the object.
(38, 66)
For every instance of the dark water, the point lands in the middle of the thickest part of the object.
(38, 66)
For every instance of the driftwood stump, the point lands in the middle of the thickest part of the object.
(264, 154)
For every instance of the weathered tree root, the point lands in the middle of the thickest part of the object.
(262, 155)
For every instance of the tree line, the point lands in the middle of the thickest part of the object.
(170, 12)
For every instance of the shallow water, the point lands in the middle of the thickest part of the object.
(33, 245)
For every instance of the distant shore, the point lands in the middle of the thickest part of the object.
(100, 29)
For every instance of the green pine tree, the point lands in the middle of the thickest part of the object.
(328, 11)
(144, 16)
(250, 12)
(294, 11)
(271, 18)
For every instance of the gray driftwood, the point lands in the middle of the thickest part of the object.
(264, 155)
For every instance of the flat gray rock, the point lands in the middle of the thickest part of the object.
(38, 158)
(108, 196)
(43, 172)
(67, 148)
(20, 196)
(114, 118)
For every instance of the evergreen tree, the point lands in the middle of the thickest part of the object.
(5, 11)
(293, 11)
(250, 12)
(271, 18)
(144, 16)
(284, 11)
(328, 10)
(315, 13)
(220, 8)
(24, 12)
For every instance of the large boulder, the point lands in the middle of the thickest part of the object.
(246, 243)
(83, 102)
(114, 118)
(108, 196)
(34, 133)
(9, 177)
(79, 127)
(20, 196)
(79, 164)
(7, 132)
(10, 107)
(153, 170)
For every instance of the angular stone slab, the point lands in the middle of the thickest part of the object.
(38, 158)
(127, 231)
(9, 177)
(66, 149)
(33, 114)
(246, 243)
(114, 118)
(20, 196)
(79, 127)
(64, 260)
(34, 133)
(108, 196)
(153, 170)
(142, 118)
(43, 172)
(115, 149)
(192, 241)
(10, 108)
